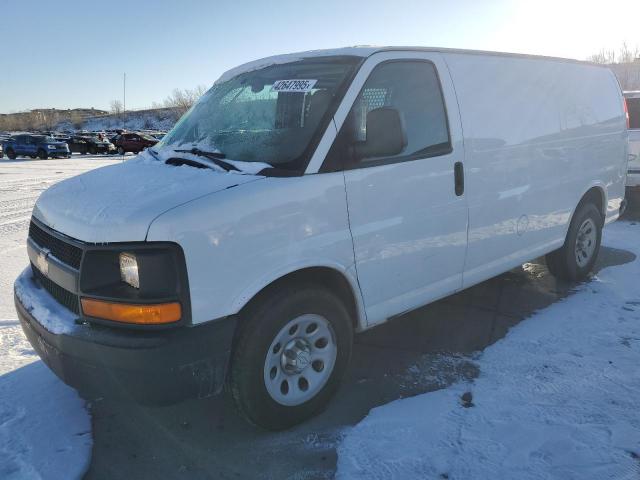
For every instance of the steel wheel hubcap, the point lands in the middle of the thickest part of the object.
(585, 242)
(300, 360)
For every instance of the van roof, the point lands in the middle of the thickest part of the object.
(366, 50)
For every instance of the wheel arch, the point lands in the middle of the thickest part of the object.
(340, 282)
(596, 195)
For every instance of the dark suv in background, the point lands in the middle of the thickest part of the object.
(41, 146)
(90, 144)
(133, 142)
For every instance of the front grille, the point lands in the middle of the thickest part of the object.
(63, 251)
(63, 296)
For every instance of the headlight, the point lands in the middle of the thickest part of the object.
(129, 269)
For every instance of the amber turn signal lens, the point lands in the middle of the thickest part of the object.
(155, 314)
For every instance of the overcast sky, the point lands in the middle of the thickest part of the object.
(72, 53)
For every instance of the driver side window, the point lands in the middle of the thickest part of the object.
(399, 115)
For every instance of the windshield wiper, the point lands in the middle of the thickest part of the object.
(215, 157)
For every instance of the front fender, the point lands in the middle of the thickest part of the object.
(348, 273)
(239, 240)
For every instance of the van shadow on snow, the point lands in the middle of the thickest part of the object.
(422, 351)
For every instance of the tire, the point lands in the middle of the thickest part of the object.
(121, 151)
(42, 155)
(575, 259)
(93, 150)
(287, 316)
(11, 154)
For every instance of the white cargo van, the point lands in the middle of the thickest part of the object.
(633, 112)
(310, 196)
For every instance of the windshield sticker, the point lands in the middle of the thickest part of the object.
(293, 85)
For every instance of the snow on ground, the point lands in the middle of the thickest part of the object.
(557, 398)
(45, 431)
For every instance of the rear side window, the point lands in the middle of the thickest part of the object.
(633, 105)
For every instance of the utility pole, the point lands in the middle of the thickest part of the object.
(124, 102)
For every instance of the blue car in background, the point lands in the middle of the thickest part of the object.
(41, 146)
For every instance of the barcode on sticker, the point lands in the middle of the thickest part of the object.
(293, 85)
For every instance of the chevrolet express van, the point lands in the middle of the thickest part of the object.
(311, 196)
(633, 111)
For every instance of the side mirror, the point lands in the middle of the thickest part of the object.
(385, 135)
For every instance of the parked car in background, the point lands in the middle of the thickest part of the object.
(90, 144)
(633, 111)
(41, 146)
(134, 142)
(1, 151)
(63, 137)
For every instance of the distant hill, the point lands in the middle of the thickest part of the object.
(152, 119)
(89, 119)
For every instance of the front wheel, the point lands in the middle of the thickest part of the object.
(576, 258)
(42, 155)
(121, 151)
(292, 350)
(11, 154)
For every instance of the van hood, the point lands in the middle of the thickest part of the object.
(118, 203)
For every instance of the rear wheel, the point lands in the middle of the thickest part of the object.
(121, 151)
(575, 259)
(42, 155)
(292, 350)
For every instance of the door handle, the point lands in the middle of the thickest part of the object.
(458, 173)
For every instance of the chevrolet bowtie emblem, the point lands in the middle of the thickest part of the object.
(42, 263)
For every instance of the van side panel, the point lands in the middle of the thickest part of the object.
(538, 134)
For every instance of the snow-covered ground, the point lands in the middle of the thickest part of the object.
(557, 398)
(45, 430)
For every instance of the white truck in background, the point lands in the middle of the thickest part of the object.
(632, 99)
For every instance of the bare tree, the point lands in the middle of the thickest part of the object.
(76, 120)
(182, 100)
(604, 57)
(624, 63)
(628, 55)
(115, 107)
(624, 55)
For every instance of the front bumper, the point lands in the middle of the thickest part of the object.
(104, 149)
(152, 367)
(58, 153)
(633, 177)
